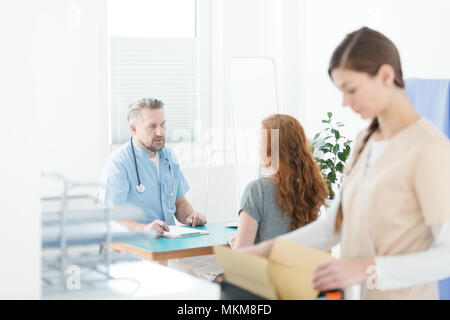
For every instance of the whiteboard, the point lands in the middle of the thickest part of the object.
(254, 96)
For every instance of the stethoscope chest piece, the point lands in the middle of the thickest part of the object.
(140, 188)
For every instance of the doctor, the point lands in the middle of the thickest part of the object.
(146, 174)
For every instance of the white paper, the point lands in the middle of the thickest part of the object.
(177, 231)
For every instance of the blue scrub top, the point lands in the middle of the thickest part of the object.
(120, 181)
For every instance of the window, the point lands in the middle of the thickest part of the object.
(153, 52)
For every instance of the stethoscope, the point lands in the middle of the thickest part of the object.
(140, 187)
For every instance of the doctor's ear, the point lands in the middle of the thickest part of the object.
(386, 74)
(133, 128)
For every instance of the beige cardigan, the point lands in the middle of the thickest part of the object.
(389, 208)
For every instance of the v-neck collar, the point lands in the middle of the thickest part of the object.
(364, 156)
(142, 153)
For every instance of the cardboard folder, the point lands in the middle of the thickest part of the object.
(287, 273)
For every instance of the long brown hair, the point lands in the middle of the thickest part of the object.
(365, 50)
(301, 188)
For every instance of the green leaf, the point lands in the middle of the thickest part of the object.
(342, 156)
(330, 191)
(329, 114)
(325, 121)
(332, 177)
(347, 150)
(336, 149)
(340, 167)
(337, 134)
(316, 136)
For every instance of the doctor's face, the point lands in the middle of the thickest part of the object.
(365, 94)
(150, 131)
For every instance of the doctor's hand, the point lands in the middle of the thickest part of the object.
(196, 219)
(340, 273)
(157, 226)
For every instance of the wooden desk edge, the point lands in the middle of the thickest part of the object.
(165, 255)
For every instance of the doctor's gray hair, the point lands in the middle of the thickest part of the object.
(134, 110)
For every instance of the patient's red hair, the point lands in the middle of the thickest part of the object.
(301, 187)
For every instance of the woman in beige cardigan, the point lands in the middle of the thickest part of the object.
(394, 198)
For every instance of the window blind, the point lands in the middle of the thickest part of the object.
(166, 69)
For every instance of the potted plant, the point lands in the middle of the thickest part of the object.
(331, 150)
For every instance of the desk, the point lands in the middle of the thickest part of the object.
(163, 249)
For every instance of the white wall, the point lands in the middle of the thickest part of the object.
(19, 206)
(71, 86)
(418, 28)
(251, 28)
(260, 28)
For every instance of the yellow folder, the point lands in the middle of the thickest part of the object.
(287, 273)
(246, 271)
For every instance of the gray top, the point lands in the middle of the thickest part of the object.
(258, 200)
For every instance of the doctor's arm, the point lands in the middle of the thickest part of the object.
(115, 191)
(186, 214)
(157, 226)
(184, 211)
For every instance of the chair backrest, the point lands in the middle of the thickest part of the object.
(431, 98)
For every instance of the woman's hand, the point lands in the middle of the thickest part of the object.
(340, 273)
(231, 241)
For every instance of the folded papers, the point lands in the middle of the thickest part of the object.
(287, 274)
